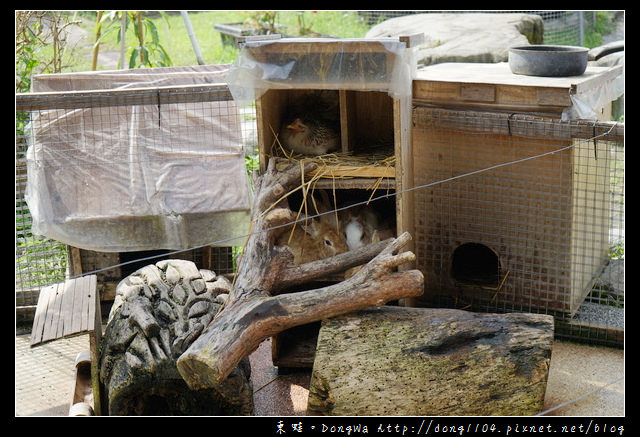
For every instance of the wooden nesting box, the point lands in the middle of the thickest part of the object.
(359, 73)
(374, 122)
(529, 235)
(374, 156)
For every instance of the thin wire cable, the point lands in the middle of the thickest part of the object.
(364, 202)
(579, 398)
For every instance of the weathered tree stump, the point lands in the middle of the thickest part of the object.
(431, 362)
(157, 312)
(253, 313)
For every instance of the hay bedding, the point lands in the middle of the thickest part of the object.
(334, 166)
(339, 165)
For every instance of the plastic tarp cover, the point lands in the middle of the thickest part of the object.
(141, 177)
(382, 64)
(586, 105)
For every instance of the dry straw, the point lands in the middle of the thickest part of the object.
(334, 166)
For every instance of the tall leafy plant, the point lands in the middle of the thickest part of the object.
(40, 44)
(146, 50)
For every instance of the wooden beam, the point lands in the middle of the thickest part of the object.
(505, 123)
(122, 97)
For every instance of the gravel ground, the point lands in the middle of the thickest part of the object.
(600, 315)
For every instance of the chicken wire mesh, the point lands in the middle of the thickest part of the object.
(541, 235)
(519, 215)
(512, 214)
(90, 146)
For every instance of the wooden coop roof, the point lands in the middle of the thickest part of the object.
(476, 84)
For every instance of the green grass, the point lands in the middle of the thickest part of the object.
(335, 23)
(175, 40)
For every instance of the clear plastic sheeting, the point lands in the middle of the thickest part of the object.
(139, 176)
(384, 64)
(586, 105)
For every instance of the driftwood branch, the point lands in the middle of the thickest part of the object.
(242, 326)
(299, 274)
(253, 314)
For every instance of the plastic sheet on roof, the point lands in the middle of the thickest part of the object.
(384, 64)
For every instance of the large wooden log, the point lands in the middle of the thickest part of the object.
(253, 314)
(431, 362)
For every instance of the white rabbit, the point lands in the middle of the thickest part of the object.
(362, 225)
(354, 232)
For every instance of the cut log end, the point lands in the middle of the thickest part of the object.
(198, 371)
(431, 362)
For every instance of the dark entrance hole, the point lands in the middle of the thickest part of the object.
(475, 264)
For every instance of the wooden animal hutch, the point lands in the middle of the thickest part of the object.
(527, 234)
(369, 80)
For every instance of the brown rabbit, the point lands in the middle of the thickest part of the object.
(315, 238)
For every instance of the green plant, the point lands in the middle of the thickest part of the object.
(616, 251)
(264, 21)
(40, 44)
(602, 26)
(304, 28)
(39, 261)
(147, 51)
(252, 163)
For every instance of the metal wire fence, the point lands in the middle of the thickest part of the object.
(87, 161)
(530, 218)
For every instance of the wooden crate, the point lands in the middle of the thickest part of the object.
(369, 117)
(522, 236)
